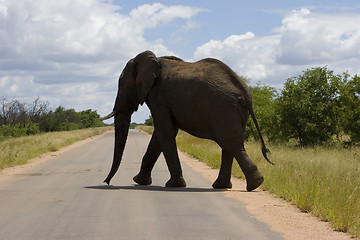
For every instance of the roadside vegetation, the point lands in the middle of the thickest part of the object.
(312, 127)
(28, 130)
(18, 150)
(315, 108)
(22, 119)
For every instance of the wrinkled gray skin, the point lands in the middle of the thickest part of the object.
(206, 99)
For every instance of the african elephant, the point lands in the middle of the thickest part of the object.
(206, 99)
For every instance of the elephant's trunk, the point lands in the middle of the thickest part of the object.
(122, 124)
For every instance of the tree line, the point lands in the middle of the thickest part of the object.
(313, 108)
(19, 119)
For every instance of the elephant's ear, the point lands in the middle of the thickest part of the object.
(148, 68)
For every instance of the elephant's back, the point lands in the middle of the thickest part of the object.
(208, 79)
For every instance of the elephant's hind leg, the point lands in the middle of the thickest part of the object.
(152, 154)
(224, 179)
(253, 177)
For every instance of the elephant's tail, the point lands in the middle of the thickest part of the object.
(263, 147)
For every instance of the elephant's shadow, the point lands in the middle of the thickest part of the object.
(156, 188)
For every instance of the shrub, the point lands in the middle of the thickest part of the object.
(12, 131)
(307, 107)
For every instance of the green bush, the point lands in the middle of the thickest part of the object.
(12, 131)
(307, 107)
(149, 121)
(32, 128)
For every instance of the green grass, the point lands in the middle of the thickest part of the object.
(322, 181)
(17, 151)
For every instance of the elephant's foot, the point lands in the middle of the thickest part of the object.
(221, 184)
(176, 182)
(254, 181)
(142, 180)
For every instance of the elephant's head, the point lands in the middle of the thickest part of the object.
(135, 83)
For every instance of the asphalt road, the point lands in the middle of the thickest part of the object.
(64, 198)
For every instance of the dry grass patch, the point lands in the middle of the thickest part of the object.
(17, 151)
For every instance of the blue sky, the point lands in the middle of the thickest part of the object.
(71, 53)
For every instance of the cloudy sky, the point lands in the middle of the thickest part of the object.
(71, 53)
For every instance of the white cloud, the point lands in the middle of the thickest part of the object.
(249, 55)
(311, 38)
(149, 16)
(71, 52)
(304, 39)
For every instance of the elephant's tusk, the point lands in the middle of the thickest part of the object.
(108, 116)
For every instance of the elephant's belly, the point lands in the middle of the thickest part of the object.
(195, 125)
(201, 133)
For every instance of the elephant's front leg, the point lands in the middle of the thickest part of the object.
(173, 162)
(152, 154)
(166, 137)
(224, 178)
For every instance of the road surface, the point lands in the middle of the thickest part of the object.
(64, 198)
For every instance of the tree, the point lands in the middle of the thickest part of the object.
(149, 121)
(47, 124)
(89, 118)
(264, 107)
(37, 110)
(13, 112)
(17, 118)
(308, 106)
(349, 107)
(68, 119)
